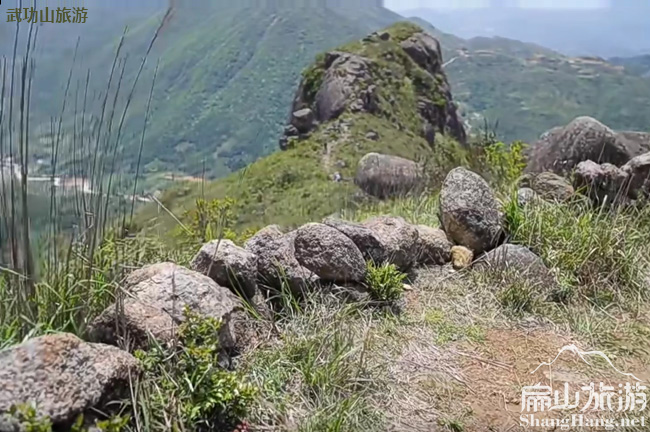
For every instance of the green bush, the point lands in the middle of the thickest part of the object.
(386, 282)
(504, 164)
(185, 386)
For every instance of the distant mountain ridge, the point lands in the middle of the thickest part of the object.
(605, 32)
(528, 89)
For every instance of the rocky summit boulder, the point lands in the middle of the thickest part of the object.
(560, 150)
(157, 296)
(469, 211)
(63, 376)
(329, 254)
(228, 265)
(277, 264)
(433, 246)
(385, 176)
(398, 239)
(425, 51)
(518, 259)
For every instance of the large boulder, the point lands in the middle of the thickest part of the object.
(550, 186)
(398, 239)
(228, 265)
(604, 183)
(157, 296)
(560, 150)
(518, 259)
(63, 376)
(329, 254)
(277, 265)
(469, 211)
(433, 246)
(385, 176)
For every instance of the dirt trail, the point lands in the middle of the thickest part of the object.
(476, 385)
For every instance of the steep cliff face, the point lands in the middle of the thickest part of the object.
(387, 74)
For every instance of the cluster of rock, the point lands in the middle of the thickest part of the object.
(608, 166)
(351, 82)
(65, 376)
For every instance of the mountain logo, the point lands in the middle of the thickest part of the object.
(599, 405)
(583, 356)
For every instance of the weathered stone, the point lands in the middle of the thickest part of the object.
(560, 150)
(604, 183)
(385, 176)
(259, 242)
(63, 376)
(342, 85)
(518, 259)
(329, 253)
(364, 238)
(552, 187)
(525, 196)
(277, 264)
(433, 246)
(425, 51)
(461, 257)
(638, 171)
(228, 265)
(398, 240)
(157, 297)
(469, 211)
(303, 120)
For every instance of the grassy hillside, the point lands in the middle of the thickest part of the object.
(296, 185)
(227, 74)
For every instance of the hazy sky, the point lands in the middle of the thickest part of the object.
(446, 4)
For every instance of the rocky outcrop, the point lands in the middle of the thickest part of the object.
(277, 265)
(549, 186)
(228, 265)
(62, 376)
(439, 113)
(469, 211)
(385, 176)
(433, 246)
(157, 296)
(560, 150)
(344, 81)
(330, 254)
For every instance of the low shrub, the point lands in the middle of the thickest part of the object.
(385, 282)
